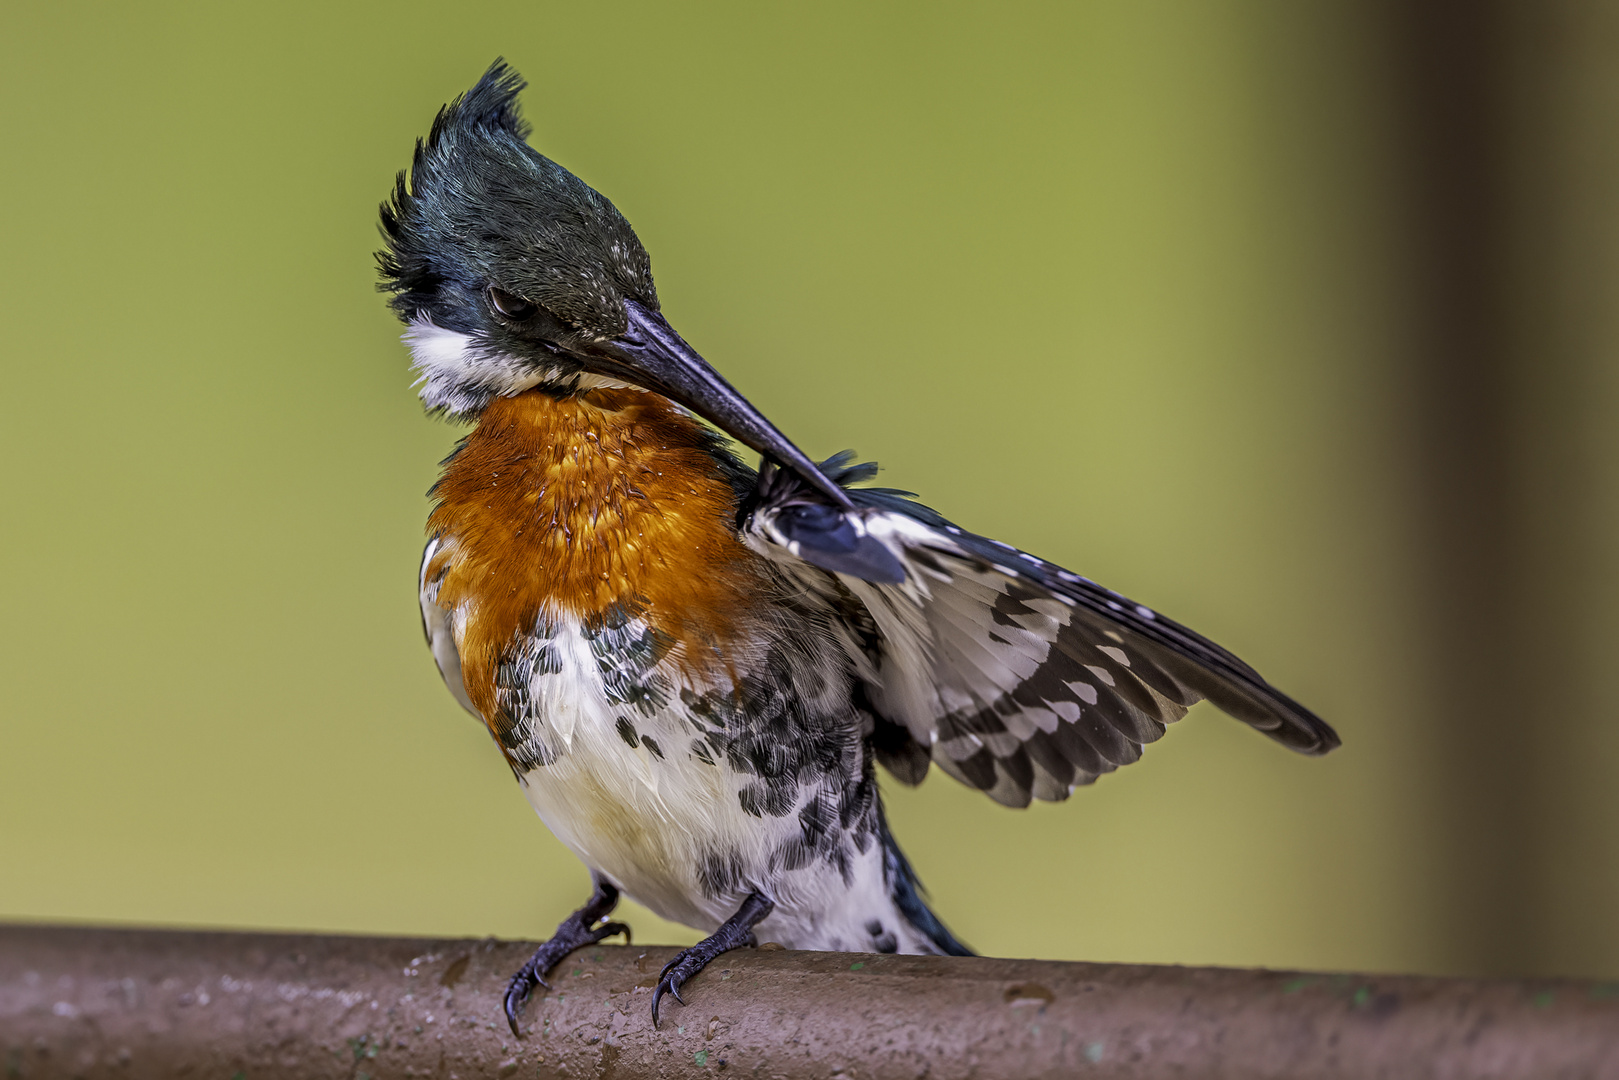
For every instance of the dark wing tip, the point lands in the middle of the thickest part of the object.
(1242, 693)
(1191, 659)
(1308, 733)
(1303, 730)
(1278, 716)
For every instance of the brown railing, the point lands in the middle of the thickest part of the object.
(81, 1002)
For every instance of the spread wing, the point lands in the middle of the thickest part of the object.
(440, 636)
(1013, 675)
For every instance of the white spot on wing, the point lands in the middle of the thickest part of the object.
(1085, 692)
(1101, 673)
(1067, 709)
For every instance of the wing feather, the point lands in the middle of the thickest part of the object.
(440, 633)
(1011, 674)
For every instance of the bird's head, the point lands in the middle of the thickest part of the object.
(512, 275)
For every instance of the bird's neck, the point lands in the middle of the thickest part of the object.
(588, 505)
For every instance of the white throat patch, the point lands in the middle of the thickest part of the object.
(461, 372)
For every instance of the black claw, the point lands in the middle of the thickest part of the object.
(517, 992)
(667, 985)
(737, 931)
(686, 963)
(576, 930)
(514, 1002)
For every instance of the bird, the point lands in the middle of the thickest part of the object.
(694, 668)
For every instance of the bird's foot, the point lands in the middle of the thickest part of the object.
(735, 933)
(576, 930)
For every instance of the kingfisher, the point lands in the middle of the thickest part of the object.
(694, 667)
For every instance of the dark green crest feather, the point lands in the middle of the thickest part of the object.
(482, 208)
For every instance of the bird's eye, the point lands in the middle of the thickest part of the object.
(513, 307)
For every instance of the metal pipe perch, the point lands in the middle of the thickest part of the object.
(78, 1002)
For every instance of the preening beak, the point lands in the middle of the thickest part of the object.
(650, 354)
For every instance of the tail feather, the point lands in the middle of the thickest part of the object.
(907, 893)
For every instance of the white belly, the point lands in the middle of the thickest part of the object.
(671, 827)
(665, 829)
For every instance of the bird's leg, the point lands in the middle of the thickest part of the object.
(736, 932)
(577, 929)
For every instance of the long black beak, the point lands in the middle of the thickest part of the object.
(650, 354)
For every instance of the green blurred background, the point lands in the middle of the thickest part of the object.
(1295, 321)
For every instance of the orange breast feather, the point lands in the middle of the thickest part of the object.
(574, 505)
